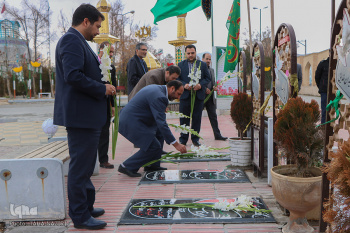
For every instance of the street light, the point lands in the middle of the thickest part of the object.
(303, 44)
(256, 8)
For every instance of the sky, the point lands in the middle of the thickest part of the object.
(311, 20)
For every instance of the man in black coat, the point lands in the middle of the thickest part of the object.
(104, 138)
(321, 78)
(210, 105)
(136, 67)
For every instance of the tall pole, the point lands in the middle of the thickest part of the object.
(272, 25)
(260, 24)
(212, 24)
(250, 28)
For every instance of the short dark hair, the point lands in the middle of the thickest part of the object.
(86, 11)
(204, 55)
(138, 46)
(103, 44)
(175, 83)
(173, 69)
(190, 46)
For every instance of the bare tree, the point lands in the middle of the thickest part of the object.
(34, 19)
(63, 23)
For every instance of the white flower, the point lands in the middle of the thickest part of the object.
(194, 76)
(244, 201)
(181, 128)
(222, 204)
(105, 65)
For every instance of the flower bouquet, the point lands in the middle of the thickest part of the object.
(105, 67)
(240, 204)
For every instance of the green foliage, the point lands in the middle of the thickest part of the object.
(296, 134)
(241, 111)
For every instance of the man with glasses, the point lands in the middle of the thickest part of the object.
(136, 67)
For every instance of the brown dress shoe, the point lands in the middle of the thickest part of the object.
(107, 165)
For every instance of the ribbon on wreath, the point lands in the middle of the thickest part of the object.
(334, 104)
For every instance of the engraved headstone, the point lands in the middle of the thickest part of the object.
(342, 79)
(158, 215)
(282, 86)
(195, 176)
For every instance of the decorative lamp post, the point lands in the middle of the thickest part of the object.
(30, 80)
(35, 66)
(17, 71)
(256, 8)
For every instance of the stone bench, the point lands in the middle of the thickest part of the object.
(48, 94)
(57, 150)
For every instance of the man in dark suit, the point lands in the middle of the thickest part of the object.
(80, 106)
(186, 67)
(210, 104)
(104, 138)
(321, 79)
(159, 76)
(136, 67)
(141, 118)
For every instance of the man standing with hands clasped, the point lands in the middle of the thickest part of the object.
(210, 104)
(80, 106)
(191, 65)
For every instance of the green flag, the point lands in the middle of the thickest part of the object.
(233, 26)
(169, 8)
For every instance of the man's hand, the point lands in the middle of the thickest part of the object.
(180, 147)
(215, 88)
(167, 109)
(207, 91)
(197, 87)
(187, 87)
(110, 89)
(113, 111)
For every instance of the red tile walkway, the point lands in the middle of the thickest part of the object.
(114, 190)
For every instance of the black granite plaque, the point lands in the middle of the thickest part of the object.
(157, 215)
(195, 176)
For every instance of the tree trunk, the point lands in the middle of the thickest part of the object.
(33, 86)
(9, 87)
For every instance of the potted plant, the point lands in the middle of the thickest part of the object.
(241, 114)
(297, 186)
(337, 209)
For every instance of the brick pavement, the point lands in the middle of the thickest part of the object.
(114, 190)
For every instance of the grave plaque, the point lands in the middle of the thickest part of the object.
(195, 176)
(282, 86)
(158, 215)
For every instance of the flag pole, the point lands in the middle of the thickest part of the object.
(212, 23)
(250, 28)
(272, 6)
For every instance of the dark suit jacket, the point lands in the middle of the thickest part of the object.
(143, 115)
(152, 77)
(211, 84)
(135, 71)
(205, 79)
(80, 99)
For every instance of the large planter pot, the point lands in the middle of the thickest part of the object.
(240, 151)
(298, 195)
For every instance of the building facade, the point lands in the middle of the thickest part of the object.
(13, 49)
(309, 63)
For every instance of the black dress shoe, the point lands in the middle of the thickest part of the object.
(107, 165)
(197, 144)
(127, 172)
(221, 138)
(96, 212)
(151, 169)
(91, 224)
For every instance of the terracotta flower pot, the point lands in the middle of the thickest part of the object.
(240, 151)
(298, 195)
